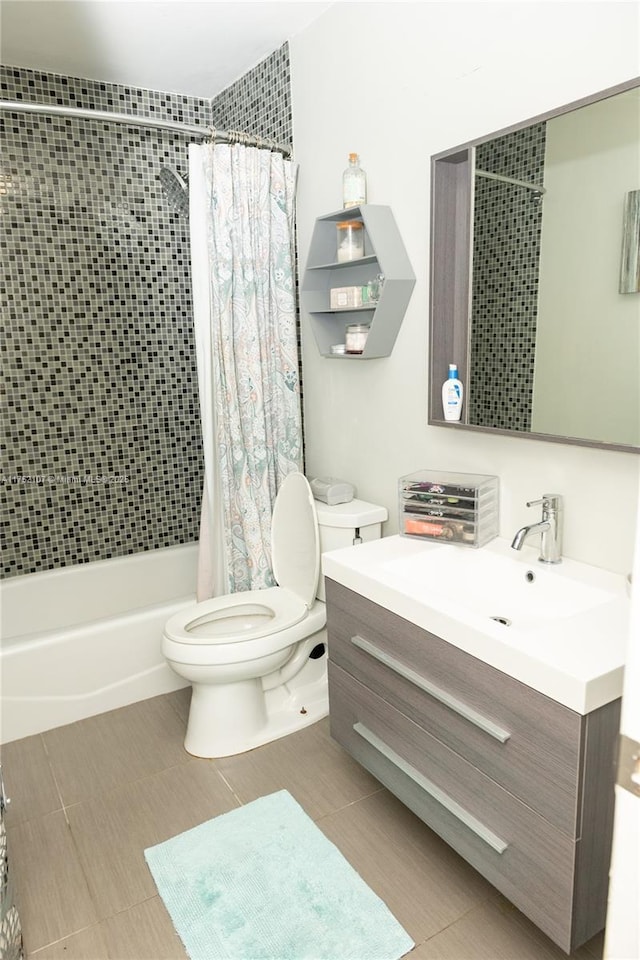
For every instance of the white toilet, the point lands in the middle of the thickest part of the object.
(257, 660)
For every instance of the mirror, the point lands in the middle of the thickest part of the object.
(535, 275)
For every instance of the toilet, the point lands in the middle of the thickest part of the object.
(256, 660)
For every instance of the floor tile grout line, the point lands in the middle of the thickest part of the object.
(52, 943)
(228, 785)
(128, 784)
(418, 852)
(532, 940)
(447, 926)
(100, 795)
(42, 817)
(97, 924)
(85, 874)
(351, 803)
(63, 805)
(123, 783)
(424, 855)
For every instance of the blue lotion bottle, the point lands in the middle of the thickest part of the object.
(452, 394)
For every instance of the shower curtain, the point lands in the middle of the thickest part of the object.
(241, 221)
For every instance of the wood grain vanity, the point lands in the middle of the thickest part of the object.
(518, 784)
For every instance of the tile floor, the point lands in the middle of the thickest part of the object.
(89, 797)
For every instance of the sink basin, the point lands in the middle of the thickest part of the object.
(561, 629)
(512, 590)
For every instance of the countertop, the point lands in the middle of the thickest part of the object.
(576, 660)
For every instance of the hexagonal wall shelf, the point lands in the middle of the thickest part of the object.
(384, 252)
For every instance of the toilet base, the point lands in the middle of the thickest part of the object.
(232, 718)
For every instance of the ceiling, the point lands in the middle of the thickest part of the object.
(192, 47)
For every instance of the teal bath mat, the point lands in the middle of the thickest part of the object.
(263, 883)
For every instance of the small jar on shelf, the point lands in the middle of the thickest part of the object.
(350, 240)
(356, 337)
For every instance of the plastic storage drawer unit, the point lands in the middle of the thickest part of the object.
(451, 507)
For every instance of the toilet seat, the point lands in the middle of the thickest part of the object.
(237, 616)
(249, 615)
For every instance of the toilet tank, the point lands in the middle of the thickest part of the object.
(346, 524)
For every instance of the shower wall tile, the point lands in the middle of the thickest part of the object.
(34, 85)
(506, 255)
(101, 418)
(260, 101)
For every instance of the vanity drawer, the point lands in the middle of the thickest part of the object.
(526, 742)
(519, 852)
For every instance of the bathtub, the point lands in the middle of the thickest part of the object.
(80, 640)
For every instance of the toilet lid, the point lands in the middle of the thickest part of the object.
(295, 540)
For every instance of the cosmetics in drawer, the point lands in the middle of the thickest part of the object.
(451, 507)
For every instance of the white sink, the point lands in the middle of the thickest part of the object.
(561, 629)
(509, 589)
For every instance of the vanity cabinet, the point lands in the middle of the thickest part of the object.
(519, 785)
(384, 253)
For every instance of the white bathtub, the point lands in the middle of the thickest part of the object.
(80, 640)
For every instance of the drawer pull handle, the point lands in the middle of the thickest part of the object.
(488, 836)
(456, 705)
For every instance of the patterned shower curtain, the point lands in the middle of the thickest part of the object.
(247, 355)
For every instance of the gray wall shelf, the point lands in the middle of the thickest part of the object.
(384, 253)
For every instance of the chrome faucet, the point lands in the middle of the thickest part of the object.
(549, 528)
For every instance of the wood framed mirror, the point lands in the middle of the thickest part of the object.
(535, 275)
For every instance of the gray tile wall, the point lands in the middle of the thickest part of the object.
(100, 417)
(506, 254)
(260, 101)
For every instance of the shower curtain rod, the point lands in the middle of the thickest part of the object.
(502, 179)
(185, 129)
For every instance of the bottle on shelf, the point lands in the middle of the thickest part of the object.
(354, 183)
(374, 288)
(452, 393)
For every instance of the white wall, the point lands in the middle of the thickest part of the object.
(398, 82)
(592, 158)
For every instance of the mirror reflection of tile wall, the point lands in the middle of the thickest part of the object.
(506, 252)
(98, 352)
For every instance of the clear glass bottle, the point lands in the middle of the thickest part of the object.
(374, 288)
(354, 183)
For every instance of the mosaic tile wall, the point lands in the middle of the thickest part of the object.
(260, 102)
(506, 254)
(101, 414)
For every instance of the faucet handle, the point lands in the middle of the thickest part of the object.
(549, 501)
